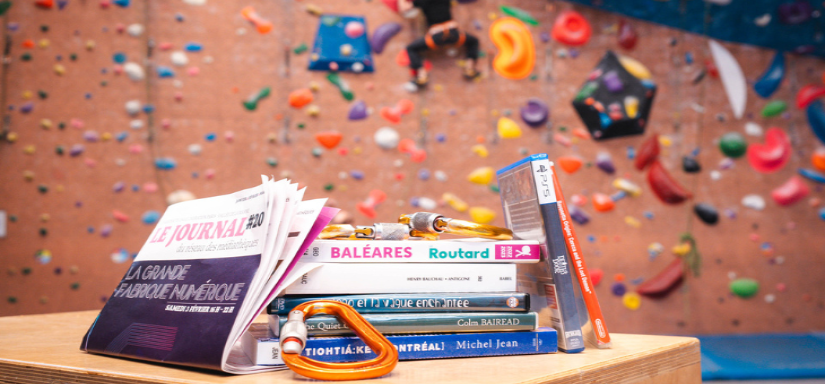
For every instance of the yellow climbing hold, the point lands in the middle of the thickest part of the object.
(106, 136)
(454, 202)
(11, 137)
(482, 215)
(480, 150)
(313, 111)
(627, 186)
(632, 301)
(665, 141)
(492, 16)
(632, 221)
(481, 176)
(314, 86)
(29, 149)
(45, 123)
(28, 175)
(90, 45)
(635, 68)
(27, 95)
(59, 69)
(681, 249)
(508, 129)
(43, 43)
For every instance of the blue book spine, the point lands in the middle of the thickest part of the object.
(266, 351)
(414, 302)
(528, 198)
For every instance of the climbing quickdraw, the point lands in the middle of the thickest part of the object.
(294, 335)
(415, 226)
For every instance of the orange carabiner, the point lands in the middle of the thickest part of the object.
(293, 339)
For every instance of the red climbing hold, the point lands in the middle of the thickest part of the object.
(48, 4)
(627, 35)
(570, 164)
(665, 186)
(792, 191)
(571, 28)
(663, 283)
(329, 139)
(808, 94)
(772, 155)
(647, 153)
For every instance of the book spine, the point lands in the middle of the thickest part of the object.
(383, 251)
(368, 278)
(419, 323)
(594, 310)
(414, 302)
(560, 292)
(266, 351)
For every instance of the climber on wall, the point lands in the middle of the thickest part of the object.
(442, 31)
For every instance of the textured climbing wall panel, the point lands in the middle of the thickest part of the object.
(190, 114)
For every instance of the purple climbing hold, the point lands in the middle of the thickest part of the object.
(358, 110)
(118, 187)
(544, 36)
(795, 13)
(612, 82)
(91, 136)
(605, 163)
(382, 35)
(357, 175)
(76, 150)
(618, 289)
(106, 230)
(535, 113)
(27, 107)
(578, 215)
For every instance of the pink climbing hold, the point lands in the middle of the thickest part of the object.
(791, 192)
(773, 155)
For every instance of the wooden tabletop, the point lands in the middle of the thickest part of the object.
(45, 349)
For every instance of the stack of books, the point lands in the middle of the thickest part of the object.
(432, 299)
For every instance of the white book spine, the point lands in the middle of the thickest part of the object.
(441, 251)
(352, 278)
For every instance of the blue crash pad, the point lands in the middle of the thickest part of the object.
(763, 356)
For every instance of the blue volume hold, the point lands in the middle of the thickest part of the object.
(769, 82)
(816, 119)
(812, 175)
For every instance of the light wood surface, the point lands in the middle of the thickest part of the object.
(45, 349)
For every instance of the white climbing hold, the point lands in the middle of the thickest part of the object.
(134, 71)
(179, 58)
(386, 138)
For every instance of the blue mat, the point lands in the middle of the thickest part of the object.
(763, 356)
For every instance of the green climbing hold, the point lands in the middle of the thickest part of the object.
(494, 188)
(252, 102)
(520, 14)
(562, 129)
(534, 77)
(104, 83)
(774, 108)
(26, 56)
(317, 152)
(4, 6)
(301, 126)
(273, 162)
(733, 145)
(61, 125)
(342, 85)
(12, 299)
(73, 57)
(44, 231)
(42, 188)
(26, 271)
(42, 94)
(300, 49)
(329, 187)
(75, 286)
(44, 28)
(744, 287)
(587, 90)
(13, 218)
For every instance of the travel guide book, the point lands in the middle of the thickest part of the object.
(208, 269)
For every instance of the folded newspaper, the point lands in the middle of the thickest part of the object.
(207, 270)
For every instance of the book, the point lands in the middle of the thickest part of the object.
(262, 349)
(208, 268)
(438, 251)
(402, 323)
(366, 278)
(595, 329)
(531, 211)
(414, 302)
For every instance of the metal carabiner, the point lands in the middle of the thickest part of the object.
(294, 334)
(433, 223)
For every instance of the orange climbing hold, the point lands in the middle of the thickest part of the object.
(818, 158)
(300, 97)
(393, 114)
(570, 164)
(329, 139)
(262, 25)
(516, 52)
(602, 202)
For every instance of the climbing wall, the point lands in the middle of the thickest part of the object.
(113, 108)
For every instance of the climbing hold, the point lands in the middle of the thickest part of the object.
(647, 153)
(342, 85)
(812, 175)
(516, 53)
(707, 213)
(666, 188)
(4, 6)
(632, 221)
(120, 216)
(790, 192)
(744, 288)
(535, 113)
(579, 216)
(796, 12)
(120, 255)
(367, 207)
(354, 29)
(164, 72)
(733, 145)
(571, 28)
(519, 14)
(393, 114)
(613, 83)
(816, 119)
(733, 79)
(150, 217)
(165, 163)
(251, 103)
(808, 94)
(664, 282)
(773, 155)
(134, 71)
(135, 30)
(480, 150)
(631, 301)
(482, 215)
(774, 108)
(192, 47)
(262, 25)
(43, 256)
(618, 289)
(179, 196)
(454, 202)
(605, 163)
(690, 165)
(627, 35)
(602, 202)
(300, 97)
(508, 129)
(178, 58)
(769, 82)
(481, 176)
(383, 34)
(386, 138)
(329, 139)
(570, 164)
(754, 202)
(627, 186)
(358, 111)
(45, 4)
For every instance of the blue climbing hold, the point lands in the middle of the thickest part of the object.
(816, 119)
(150, 217)
(193, 47)
(165, 163)
(121, 3)
(812, 175)
(211, 136)
(164, 71)
(122, 136)
(148, 108)
(769, 82)
(119, 57)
